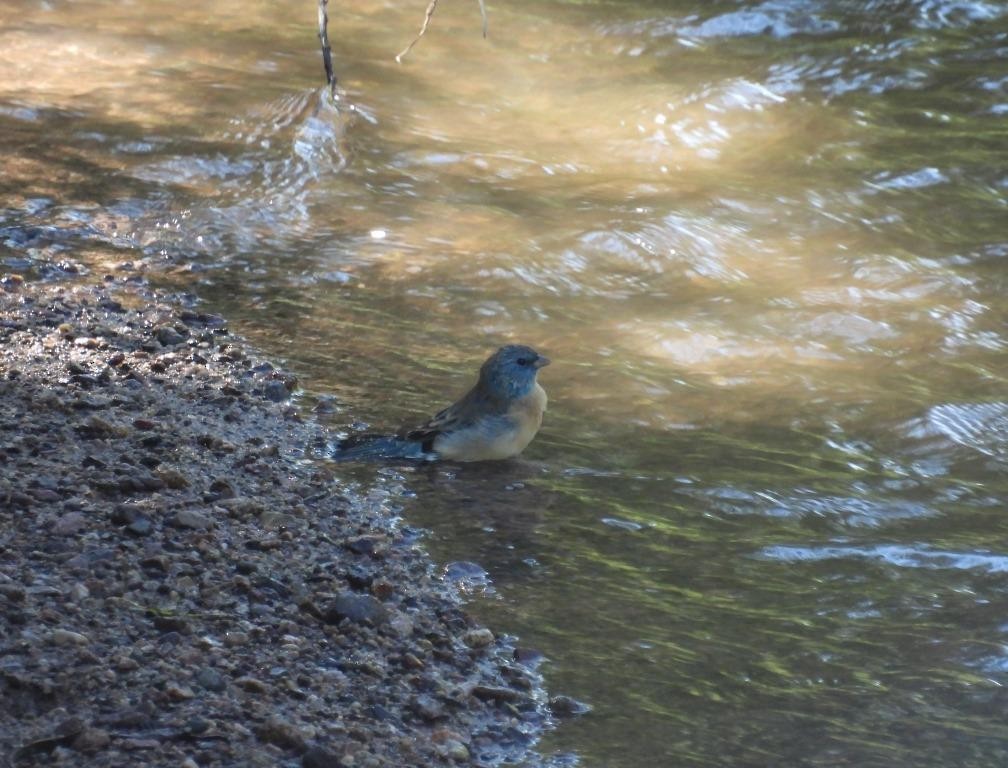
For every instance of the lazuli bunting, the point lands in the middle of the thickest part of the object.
(495, 419)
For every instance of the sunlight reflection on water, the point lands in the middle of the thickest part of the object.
(763, 244)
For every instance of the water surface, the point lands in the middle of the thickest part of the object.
(764, 244)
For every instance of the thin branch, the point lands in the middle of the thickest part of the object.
(426, 23)
(483, 14)
(323, 33)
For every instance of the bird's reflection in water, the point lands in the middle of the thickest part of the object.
(486, 511)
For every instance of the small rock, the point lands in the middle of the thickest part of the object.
(496, 693)
(235, 639)
(190, 518)
(326, 405)
(372, 546)
(140, 482)
(70, 523)
(211, 679)
(320, 757)
(357, 608)
(123, 514)
(284, 734)
(172, 478)
(453, 750)
(528, 656)
(565, 706)
(242, 505)
(252, 685)
(168, 336)
(97, 428)
(179, 692)
(130, 743)
(13, 592)
(359, 577)
(67, 637)
(221, 488)
(478, 638)
(275, 391)
(141, 526)
(92, 740)
(195, 726)
(169, 623)
(126, 664)
(93, 462)
(412, 662)
(428, 707)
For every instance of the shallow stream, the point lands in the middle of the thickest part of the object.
(764, 243)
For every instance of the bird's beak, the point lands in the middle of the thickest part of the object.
(541, 362)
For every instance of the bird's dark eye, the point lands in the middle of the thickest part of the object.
(522, 361)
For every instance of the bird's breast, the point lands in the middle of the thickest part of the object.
(499, 436)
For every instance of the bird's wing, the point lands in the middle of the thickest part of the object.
(442, 421)
(475, 405)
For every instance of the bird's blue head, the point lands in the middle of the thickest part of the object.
(510, 372)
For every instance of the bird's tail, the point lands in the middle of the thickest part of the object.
(378, 447)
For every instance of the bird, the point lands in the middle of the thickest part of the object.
(496, 419)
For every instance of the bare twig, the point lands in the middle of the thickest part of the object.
(323, 33)
(423, 29)
(483, 14)
(426, 23)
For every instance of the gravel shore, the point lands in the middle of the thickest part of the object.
(179, 586)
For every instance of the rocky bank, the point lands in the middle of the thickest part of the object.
(179, 586)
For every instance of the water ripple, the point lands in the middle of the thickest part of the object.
(777, 18)
(900, 556)
(982, 427)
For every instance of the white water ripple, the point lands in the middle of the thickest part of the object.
(901, 556)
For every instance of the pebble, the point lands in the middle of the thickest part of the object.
(179, 692)
(277, 730)
(478, 638)
(168, 336)
(170, 623)
(13, 592)
(235, 639)
(190, 518)
(454, 750)
(68, 637)
(172, 478)
(275, 391)
(252, 685)
(70, 523)
(320, 757)
(566, 706)
(412, 662)
(496, 693)
(141, 526)
(92, 740)
(428, 707)
(356, 608)
(211, 679)
(126, 664)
